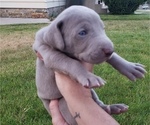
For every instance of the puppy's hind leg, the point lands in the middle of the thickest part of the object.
(110, 109)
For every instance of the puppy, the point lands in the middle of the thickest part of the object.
(77, 34)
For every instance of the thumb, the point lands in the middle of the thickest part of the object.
(57, 118)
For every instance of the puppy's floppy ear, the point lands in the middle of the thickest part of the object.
(53, 36)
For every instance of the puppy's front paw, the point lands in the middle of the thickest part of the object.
(131, 70)
(134, 71)
(91, 81)
(115, 108)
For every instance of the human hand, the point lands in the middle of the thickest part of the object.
(76, 96)
(57, 118)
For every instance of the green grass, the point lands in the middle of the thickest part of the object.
(19, 103)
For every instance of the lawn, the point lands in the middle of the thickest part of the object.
(19, 103)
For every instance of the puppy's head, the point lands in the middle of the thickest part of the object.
(83, 35)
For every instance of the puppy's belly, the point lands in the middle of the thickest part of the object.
(45, 82)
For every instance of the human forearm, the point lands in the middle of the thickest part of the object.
(81, 104)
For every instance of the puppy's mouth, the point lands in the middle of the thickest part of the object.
(94, 59)
(110, 56)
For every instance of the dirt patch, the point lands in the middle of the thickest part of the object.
(16, 40)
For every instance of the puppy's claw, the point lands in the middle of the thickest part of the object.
(143, 76)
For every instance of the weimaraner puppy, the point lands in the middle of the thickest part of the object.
(76, 35)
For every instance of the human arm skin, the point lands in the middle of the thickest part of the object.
(80, 103)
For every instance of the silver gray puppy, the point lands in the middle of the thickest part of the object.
(77, 34)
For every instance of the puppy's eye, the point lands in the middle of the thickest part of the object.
(82, 33)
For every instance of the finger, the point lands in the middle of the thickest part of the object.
(54, 108)
(39, 55)
(57, 118)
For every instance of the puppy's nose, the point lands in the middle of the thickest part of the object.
(108, 52)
